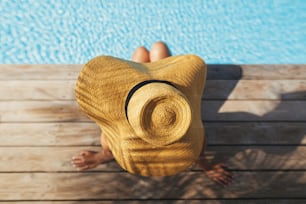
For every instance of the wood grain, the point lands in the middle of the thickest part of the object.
(260, 71)
(214, 71)
(88, 133)
(255, 90)
(255, 133)
(40, 111)
(49, 134)
(257, 110)
(215, 89)
(57, 159)
(39, 71)
(254, 116)
(37, 90)
(247, 110)
(190, 185)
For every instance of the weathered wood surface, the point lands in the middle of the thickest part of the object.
(40, 111)
(217, 71)
(87, 134)
(255, 120)
(215, 90)
(49, 134)
(37, 90)
(189, 185)
(255, 89)
(246, 110)
(50, 159)
(259, 110)
(254, 72)
(39, 71)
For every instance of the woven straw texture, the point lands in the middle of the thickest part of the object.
(163, 133)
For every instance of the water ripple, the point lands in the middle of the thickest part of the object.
(234, 31)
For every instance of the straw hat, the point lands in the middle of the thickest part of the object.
(150, 113)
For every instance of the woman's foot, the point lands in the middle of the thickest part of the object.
(86, 160)
(219, 174)
(216, 172)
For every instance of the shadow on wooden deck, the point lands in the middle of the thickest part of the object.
(264, 168)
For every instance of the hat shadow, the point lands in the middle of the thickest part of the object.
(255, 156)
(234, 73)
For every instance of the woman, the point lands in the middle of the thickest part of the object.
(90, 159)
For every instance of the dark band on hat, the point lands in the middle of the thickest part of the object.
(138, 86)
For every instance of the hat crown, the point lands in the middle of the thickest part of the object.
(159, 113)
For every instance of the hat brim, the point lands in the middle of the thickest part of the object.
(104, 84)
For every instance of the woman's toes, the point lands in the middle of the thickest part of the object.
(159, 51)
(141, 55)
(77, 162)
(85, 160)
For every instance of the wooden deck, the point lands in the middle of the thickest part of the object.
(255, 118)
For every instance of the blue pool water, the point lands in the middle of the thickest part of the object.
(220, 31)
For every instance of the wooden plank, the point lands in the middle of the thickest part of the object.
(68, 111)
(57, 159)
(214, 71)
(255, 89)
(39, 71)
(260, 71)
(114, 186)
(49, 134)
(37, 90)
(258, 133)
(215, 89)
(87, 134)
(260, 110)
(40, 111)
(259, 157)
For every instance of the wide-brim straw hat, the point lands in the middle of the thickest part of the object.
(150, 113)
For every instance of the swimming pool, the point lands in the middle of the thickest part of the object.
(220, 31)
